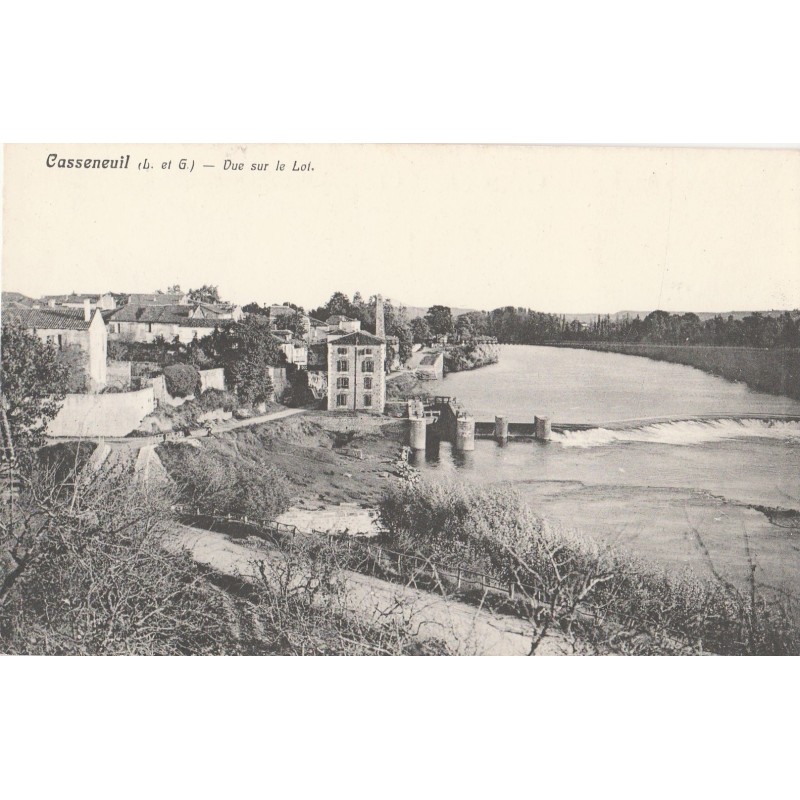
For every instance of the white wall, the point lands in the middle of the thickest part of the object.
(89, 415)
(212, 379)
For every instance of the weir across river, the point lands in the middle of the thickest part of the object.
(444, 418)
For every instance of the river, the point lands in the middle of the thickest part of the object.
(654, 489)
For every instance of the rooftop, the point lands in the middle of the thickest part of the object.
(48, 318)
(357, 338)
(165, 315)
(71, 298)
(156, 299)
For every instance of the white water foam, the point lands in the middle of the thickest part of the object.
(685, 432)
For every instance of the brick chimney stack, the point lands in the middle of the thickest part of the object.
(379, 324)
(87, 311)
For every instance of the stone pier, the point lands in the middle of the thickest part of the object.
(417, 434)
(465, 433)
(501, 428)
(542, 429)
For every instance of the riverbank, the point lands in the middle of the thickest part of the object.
(326, 458)
(470, 355)
(775, 371)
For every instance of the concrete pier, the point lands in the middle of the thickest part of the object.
(501, 428)
(417, 433)
(542, 429)
(465, 434)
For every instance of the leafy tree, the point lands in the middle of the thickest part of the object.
(464, 327)
(246, 349)
(338, 305)
(440, 320)
(205, 294)
(293, 321)
(255, 308)
(34, 382)
(402, 330)
(218, 485)
(74, 360)
(420, 330)
(182, 380)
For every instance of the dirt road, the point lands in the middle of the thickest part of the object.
(466, 630)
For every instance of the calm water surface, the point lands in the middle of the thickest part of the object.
(651, 488)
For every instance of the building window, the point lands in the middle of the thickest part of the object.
(367, 400)
(368, 366)
(149, 327)
(342, 351)
(341, 400)
(367, 383)
(343, 383)
(368, 351)
(343, 365)
(60, 342)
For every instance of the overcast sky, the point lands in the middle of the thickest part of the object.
(566, 230)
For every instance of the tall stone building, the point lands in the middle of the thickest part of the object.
(356, 376)
(356, 380)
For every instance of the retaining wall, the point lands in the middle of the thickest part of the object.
(280, 382)
(212, 379)
(89, 415)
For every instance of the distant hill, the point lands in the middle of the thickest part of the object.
(16, 298)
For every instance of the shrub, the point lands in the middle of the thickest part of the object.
(182, 380)
(218, 487)
(616, 601)
(212, 399)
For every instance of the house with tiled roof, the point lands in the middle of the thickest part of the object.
(159, 299)
(216, 311)
(64, 327)
(145, 323)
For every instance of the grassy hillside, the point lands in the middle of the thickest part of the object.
(775, 371)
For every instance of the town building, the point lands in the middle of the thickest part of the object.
(159, 299)
(65, 327)
(216, 311)
(145, 323)
(356, 377)
(295, 350)
(105, 302)
(343, 324)
(317, 331)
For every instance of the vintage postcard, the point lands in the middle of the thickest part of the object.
(400, 400)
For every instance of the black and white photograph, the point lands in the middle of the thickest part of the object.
(334, 334)
(445, 400)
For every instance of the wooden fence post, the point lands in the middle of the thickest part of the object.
(458, 578)
(511, 587)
